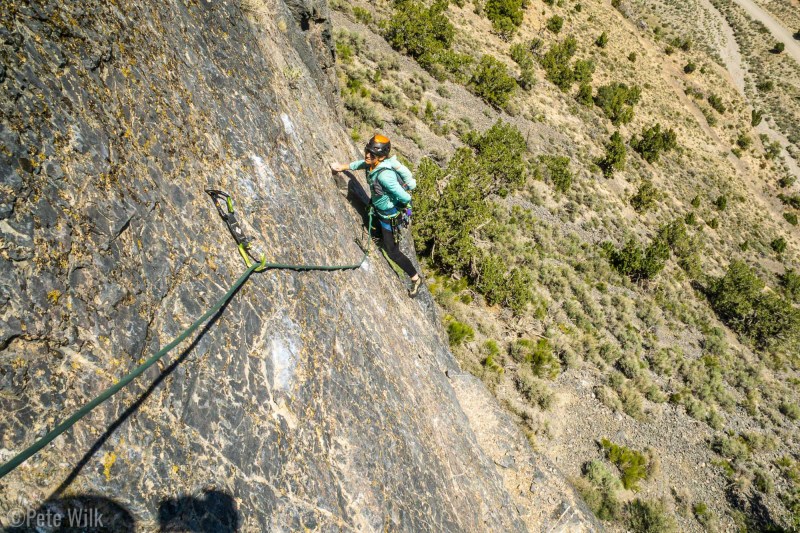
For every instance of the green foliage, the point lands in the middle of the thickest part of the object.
(778, 245)
(506, 15)
(500, 152)
(676, 236)
(765, 86)
(362, 15)
(764, 317)
(756, 117)
(540, 356)
(716, 102)
(426, 34)
(633, 465)
(744, 141)
(555, 23)
(790, 282)
(584, 95)
(721, 203)
(778, 48)
(492, 82)
(523, 57)
(582, 70)
(556, 63)
(792, 200)
(445, 222)
(653, 141)
(648, 517)
(617, 101)
(557, 171)
(790, 410)
(458, 333)
(598, 487)
(501, 287)
(532, 389)
(646, 197)
(638, 263)
(614, 159)
(602, 40)
(690, 67)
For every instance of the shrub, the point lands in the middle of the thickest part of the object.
(555, 23)
(648, 517)
(499, 287)
(778, 245)
(362, 15)
(631, 463)
(540, 356)
(598, 487)
(500, 152)
(636, 263)
(506, 16)
(689, 68)
(445, 221)
(790, 282)
(522, 57)
(721, 202)
(716, 102)
(617, 101)
(790, 410)
(765, 86)
(632, 57)
(584, 95)
(492, 82)
(425, 34)
(793, 200)
(755, 117)
(557, 170)
(744, 141)
(614, 159)
(582, 70)
(556, 63)
(653, 141)
(778, 48)
(646, 197)
(765, 318)
(676, 236)
(602, 40)
(458, 333)
(532, 389)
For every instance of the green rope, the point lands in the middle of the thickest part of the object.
(111, 391)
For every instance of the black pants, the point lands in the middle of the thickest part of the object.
(394, 253)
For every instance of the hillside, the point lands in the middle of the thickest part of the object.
(312, 401)
(609, 280)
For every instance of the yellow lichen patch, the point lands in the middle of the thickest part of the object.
(108, 461)
(175, 469)
(18, 363)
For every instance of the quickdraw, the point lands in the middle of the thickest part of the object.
(228, 215)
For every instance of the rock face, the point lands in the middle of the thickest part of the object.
(326, 401)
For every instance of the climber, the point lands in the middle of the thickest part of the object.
(389, 182)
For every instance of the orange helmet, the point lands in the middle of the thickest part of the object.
(379, 146)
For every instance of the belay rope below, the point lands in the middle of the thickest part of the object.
(245, 245)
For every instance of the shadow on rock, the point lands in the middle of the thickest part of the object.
(214, 512)
(85, 513)
(138, 403)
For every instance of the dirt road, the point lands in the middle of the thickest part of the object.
(776, 28)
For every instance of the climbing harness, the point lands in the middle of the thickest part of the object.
(246, 249)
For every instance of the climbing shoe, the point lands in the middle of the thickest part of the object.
(415, 286)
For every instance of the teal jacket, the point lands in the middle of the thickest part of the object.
(387, 193)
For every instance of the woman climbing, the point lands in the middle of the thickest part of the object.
(389, 182)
